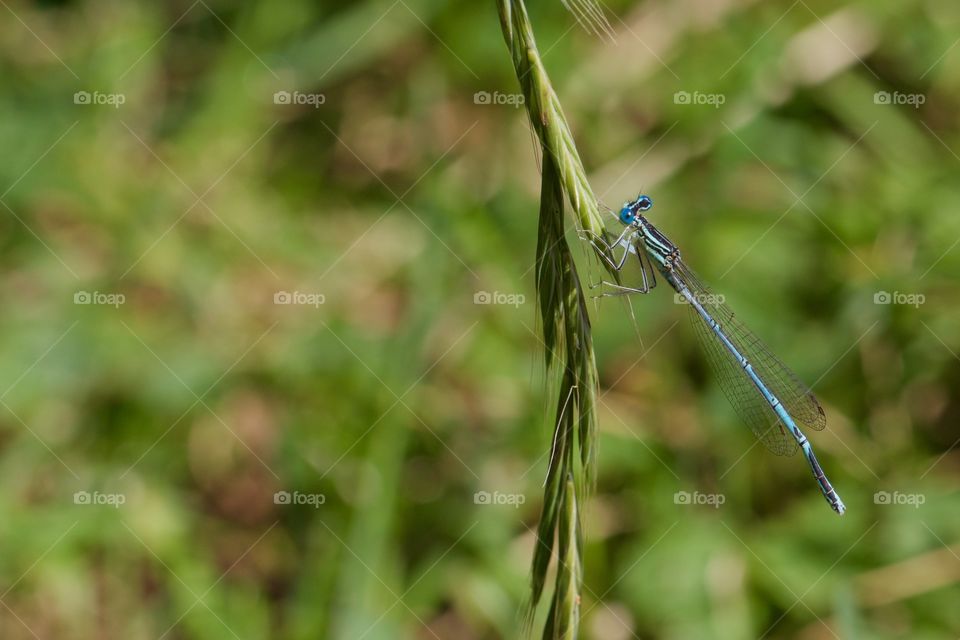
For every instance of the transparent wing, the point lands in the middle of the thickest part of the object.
(740, 390)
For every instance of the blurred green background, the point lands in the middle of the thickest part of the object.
(249, 387)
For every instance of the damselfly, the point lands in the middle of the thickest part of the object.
(764, 392)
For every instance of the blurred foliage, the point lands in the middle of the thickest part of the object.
(398, 200)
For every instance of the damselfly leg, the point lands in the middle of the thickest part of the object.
(628, 241)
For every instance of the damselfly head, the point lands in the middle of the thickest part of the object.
(643, 203)
(631, 210)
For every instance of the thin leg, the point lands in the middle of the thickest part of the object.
(621, 290)
(643, 274)
(602, 252)
(646, 267)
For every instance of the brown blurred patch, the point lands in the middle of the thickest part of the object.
(230, 460)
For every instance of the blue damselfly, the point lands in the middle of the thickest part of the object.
(763, 391)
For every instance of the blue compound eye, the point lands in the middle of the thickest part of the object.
(644, 203)
(626, 214)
